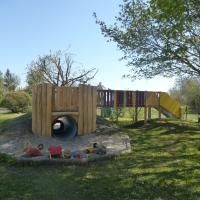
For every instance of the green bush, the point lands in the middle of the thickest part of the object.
(17, 102)
(1, 97)
(4, 158)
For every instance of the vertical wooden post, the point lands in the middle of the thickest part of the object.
(159, 107)
(85, 109)
(44, 109)
(159, 112)
(149, 112)
(145, 106)
(89, 109)
(53, 98)
(145, 115)
(80, 110)
(180, 113)
(58, 99)
(69, 98)
(49, 110)
(136, 114)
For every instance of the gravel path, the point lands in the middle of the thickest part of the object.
(19, 130)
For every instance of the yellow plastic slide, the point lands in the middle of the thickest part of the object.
(170, 105)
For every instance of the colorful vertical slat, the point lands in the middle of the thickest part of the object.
(121, 98)
(115, 98)
(134, 99)
(104, 98)
(118, 99)
(143, 99)
(111, 98)
(124, 99)
(140, 99)
(108, 101)
(131, 99)
(127, 99)
(136, 103)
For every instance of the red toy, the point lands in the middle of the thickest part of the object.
(32, 151)
(78, 156)
(55, 151)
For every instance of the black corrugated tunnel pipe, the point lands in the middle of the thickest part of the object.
(64, 128)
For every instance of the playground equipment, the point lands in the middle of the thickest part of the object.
(159, 100)
(63, 111)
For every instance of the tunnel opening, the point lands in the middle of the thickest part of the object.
(64, 128)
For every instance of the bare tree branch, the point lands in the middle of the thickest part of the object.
(57, 69)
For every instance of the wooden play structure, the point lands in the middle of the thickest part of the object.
(159, 100)
(50, 102)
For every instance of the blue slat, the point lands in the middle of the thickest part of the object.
(111, 98)
(127, 99)
(104, 98)
(121, 98)
(143, 99)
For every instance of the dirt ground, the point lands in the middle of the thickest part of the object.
(18, 131)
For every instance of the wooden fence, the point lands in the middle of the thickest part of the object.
(116, 99)
(50, 102)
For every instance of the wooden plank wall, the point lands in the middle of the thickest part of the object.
(41, 109)
(152, 99)
(65, 98)
(47, 99)
(87, 109)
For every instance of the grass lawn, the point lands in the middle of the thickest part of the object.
(4, 119)
(164, 164)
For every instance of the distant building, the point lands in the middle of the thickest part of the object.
(24, 89)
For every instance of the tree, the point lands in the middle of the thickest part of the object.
(11, 81)
(57, 69)
(157, 37)
(1, 80)
(17, 101)
(187, 91)
(1, 86)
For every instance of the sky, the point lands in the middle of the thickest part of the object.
(29, 28)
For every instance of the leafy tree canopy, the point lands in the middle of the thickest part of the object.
(11, 81)
(157, 37)
(1, 80)
(59, 69)
(187, 91)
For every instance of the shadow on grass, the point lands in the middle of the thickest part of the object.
(21, 123)
(135, 125)
(125, 177)
(163, 164)
(175, 125)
